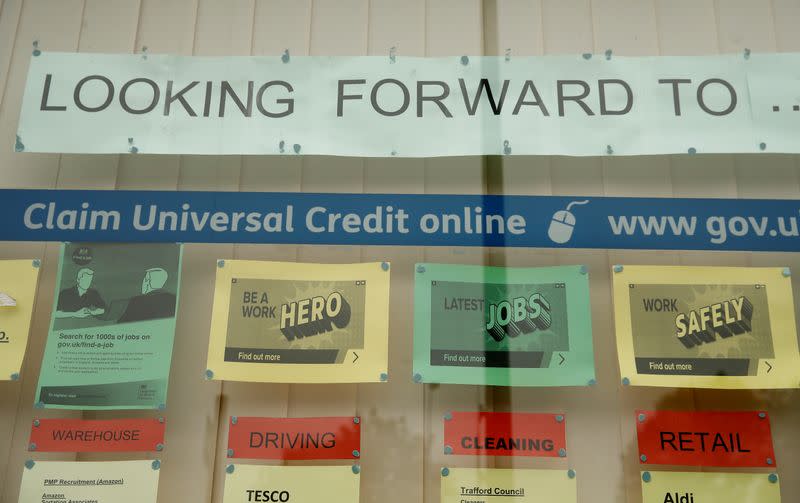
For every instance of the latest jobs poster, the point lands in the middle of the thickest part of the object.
(112, 327)
(483, 485)
(18, 280)
(502, 326)
(90, 481)
(706, 327)
(299, 323)
(296, 484)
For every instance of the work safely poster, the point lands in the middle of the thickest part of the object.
(18, 280)
(90, 481)
(112, 327)
(296, 484)
(502, 326)
(706, 327)
(481, 485)
(291, 322)
(710, 487)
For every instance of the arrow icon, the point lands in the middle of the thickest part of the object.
(768, 365)
(562, 359)
(356, 358)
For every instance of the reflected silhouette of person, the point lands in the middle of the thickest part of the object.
(81, 300)
(154, 302)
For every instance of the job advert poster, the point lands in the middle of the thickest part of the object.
(486, 485)
(85, 481)
(18, 280)
(502, 326)
(112, 327)
(710, 487)
(299, 323)
(706, 327)
(296, 484)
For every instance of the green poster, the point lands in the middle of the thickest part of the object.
(502, 326)
(112, 327)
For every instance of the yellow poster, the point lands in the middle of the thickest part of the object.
(296, 484)
(18, 280)
(706, 327)
(710, 487)
(300, 323)
(95, 481)
(482, 485)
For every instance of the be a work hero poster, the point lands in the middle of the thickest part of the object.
(706, 327)
(291, 322)
(502, 326)
(694, 438)
(112, 327)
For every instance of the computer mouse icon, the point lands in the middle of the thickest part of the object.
(563, 223)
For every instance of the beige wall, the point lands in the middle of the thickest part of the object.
(402, 432)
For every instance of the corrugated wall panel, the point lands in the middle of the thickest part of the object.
(336, 28)
(56, 25)
(452, 28)
(393, 412)
(9, 20)
(402, 435)
(100, 171)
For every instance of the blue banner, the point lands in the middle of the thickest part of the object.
(400, 219)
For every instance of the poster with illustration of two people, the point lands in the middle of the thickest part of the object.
(113, 326)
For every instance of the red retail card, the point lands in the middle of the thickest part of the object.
(723, 439)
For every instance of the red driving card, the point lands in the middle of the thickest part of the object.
(107, 435)
(294, 438)
(722, 439)
(505, 434)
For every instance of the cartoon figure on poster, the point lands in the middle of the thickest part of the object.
(148, 296)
